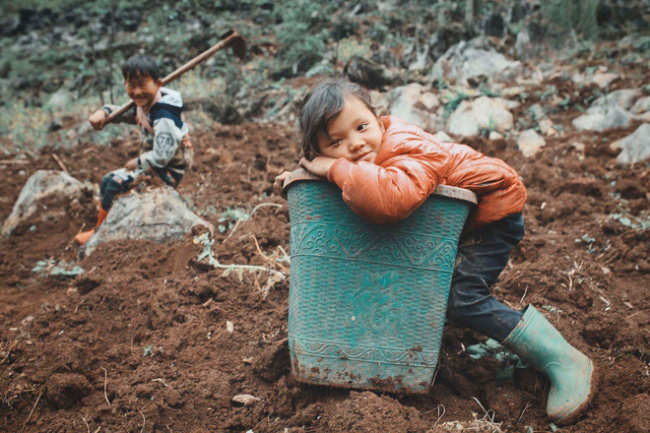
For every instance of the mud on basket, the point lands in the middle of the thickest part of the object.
(367, 302)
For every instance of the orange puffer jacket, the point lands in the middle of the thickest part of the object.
(411, 163)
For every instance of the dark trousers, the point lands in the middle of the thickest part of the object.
(119, 181)
(482, 255)
(114, 183)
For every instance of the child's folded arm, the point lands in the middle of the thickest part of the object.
(390, 192)
(127, 117)
(165, 143)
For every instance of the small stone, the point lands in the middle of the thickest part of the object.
(511, 105)
(604, 80)
(536, 111)
(55, 125)
(245, 399)
(530, 142)
(545, 126)
(495, 135)
(580, 147)
(443, 136)
(230, 327)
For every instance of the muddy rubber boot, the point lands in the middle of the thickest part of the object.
(82, 238)
(571, 373)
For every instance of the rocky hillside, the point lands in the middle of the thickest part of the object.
(61, 57)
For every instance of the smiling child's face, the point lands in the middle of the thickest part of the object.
(355, 134)
(142, 90)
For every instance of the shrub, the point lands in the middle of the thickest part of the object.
(579, 15)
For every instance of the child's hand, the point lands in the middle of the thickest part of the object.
(97, 119)
(319, 165)
(279, 181)
(132, 164)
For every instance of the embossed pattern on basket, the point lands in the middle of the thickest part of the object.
(367, 302)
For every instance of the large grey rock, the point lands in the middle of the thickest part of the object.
(367, 72)
(602, 119)
(641, 106)
(416, 105)
(636, 146)
(618, 99)
(463, 61)
(43, 185)
(483, 113)
(609, 111)
(530, 142)
(160, 216)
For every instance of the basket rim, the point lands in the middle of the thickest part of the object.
(301, 175)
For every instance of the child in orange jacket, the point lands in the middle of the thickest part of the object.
(387, 169)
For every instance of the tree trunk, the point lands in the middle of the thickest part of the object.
(469, 14)
(111, 42)
(442, 13)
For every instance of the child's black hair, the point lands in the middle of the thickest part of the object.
(321, 105)
(138, 66)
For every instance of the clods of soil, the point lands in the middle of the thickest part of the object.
(150, 339)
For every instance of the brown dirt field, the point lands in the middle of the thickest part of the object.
(139, 342)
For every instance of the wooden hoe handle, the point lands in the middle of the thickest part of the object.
(230, 39)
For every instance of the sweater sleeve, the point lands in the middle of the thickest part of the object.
(167, 138)
(391, 191)
(127, 117)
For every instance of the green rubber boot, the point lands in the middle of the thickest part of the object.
(571, 373)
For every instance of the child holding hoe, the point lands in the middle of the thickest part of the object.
(387, 168)
(164, 145)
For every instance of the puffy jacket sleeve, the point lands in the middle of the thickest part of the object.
(408, 172)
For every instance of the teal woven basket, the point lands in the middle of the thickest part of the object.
(367, 302)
